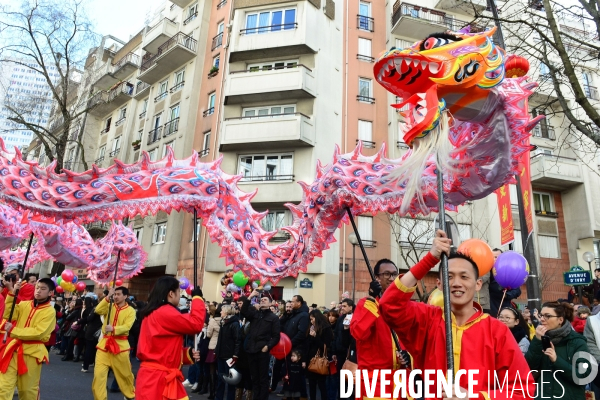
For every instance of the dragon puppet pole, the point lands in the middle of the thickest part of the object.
(444, 267)
(113, 285)
(371, 272)
(195, 248)
(21, 273)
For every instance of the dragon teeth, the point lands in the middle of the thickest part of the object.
(434, 67)
(416, 63)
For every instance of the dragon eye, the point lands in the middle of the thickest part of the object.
(434, 42)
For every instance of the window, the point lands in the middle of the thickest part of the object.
(211, 104)
(198, 227)
(365, 131)
(275, 220)
(179, 81)
(171, 143)
(364, 50)
(138, 233)
(116, 143)
(106, 125)
(160, 233)
(267, 66)
(365, 90)
(102, 151)
(172, 125)
(152, 154)
(266, 167)
(144, 108)
(269, 110)
(365, 22)
(365, 227)
(192, 14)
(163, 88)
(517, 244)
(549, 246)
(216, 61)
(590, 91)
(270, 21)
(122, 112)
(543, 202)
(206, 141)
(217, 41)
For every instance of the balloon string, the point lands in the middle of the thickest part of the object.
(501, 302)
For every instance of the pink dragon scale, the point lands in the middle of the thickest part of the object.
(461, 110)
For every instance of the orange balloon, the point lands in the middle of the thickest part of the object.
(480, 252)
(436, 298)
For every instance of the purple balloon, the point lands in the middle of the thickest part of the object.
(184, 283)
(53, 279)
(511, 270)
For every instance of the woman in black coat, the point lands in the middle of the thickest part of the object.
(74, 328)
(320, 336)
(228, 347)
(93, 325)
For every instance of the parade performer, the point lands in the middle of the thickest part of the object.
(161, 348)
(21, 357)
(480, 342)
(27, 288)
(374, 344)
(114, 346)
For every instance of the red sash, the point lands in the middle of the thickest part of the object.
(111, 344)
(6, 356)
(173, 376)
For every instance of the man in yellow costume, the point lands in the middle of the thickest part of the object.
(114, 347)
(22, 355)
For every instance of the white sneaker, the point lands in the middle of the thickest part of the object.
(195, 386)
(84, 370)
(187, 383)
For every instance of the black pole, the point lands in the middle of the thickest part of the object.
(444, 267)
(21, 273)
(354, 273)
(114, 284)
(195, 248)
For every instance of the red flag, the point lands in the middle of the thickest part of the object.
(507, 234)
(525, 176)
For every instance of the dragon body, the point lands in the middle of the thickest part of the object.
(457, 95)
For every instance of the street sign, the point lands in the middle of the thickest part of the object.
(577, 276)
(306, 283)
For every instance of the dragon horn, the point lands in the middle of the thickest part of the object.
(357, 151)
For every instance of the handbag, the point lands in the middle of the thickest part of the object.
(332, 368)
(211, 357)
(349, 366)
(98, 333)
(319, 365)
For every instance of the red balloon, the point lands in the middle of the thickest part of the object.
(59, 289)
(189, 290)
(67, 275)
(119, 282)
(80, 286)
(282, 348)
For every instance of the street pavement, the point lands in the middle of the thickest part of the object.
(64, 380)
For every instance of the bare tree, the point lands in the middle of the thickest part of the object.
(560, 40)
(49, 38)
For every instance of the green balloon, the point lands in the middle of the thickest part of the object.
(240, 279)
(59, 280)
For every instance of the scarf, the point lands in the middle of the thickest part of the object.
(558, 334)
(518, 333)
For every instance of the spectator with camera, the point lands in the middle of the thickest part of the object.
(12, 274)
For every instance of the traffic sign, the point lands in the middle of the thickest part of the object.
(577, 276)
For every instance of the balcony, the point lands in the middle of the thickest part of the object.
(286, 83)
(103, 77)
(208, 112)
(181, 3)
(462, 5)
(95, 103)
(158, 34)
(269, 131)
(418, 22)
(190, 18)
(554, 172)
(365, 23)
(121, 121)
(141, 90)
(115, 98)
(99, 161)
(126, 66)
(204, 152)
(591, 92)
(171, 127)
(154, 135)
(544, 132)
(115, 152)
(171, 55)
(221, 4)
(300, 37)
(217, 41)
(177, 87)
(362, 57)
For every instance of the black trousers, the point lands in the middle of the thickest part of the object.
(314, 381)
(90, 352)
(276, 377)
(260, 375)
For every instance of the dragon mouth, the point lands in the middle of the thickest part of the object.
(408, 73)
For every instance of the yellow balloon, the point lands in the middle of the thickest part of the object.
(64, 284)
(436, 298)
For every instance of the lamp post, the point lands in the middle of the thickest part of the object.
(588, 257)
(354, 241)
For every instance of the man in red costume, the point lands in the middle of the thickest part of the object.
(374, 344)
(480, 342)
(27, 291)
(160, 348)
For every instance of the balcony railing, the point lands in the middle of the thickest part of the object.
(190, 18)
(142, 115)
(431, 15)
(365, 99)
(141, 86)
(402, 145)
(129, 58)
(542, 213)
(269, 68)
(119, 122)
(105, 130)
(270, 28)
(365, 23)
(178, 39)
(171, 127)
(177, 87)
(154, 135)
(208, 112)
(161, 96)
(123, 87)
(362, 57)
(204, 152)
(591, 92)
(544, 132)
(99, 160)
(265, 178)
(367, 144)
(115, 152)
(552, 156)
(217, 41)
(267, 116)
(221, 4)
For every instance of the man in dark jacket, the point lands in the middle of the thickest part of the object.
(262, 336)
(228, 348)
(278, 365)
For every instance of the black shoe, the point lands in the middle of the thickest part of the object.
(66, 358)
(114, 390)
(76, 359)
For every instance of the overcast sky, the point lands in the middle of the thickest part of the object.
(120, 18)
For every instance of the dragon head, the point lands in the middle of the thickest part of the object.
(458, 67)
